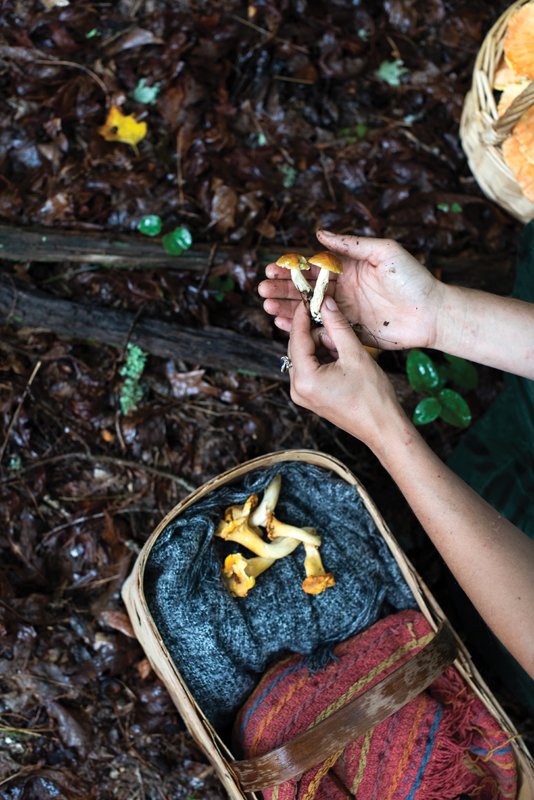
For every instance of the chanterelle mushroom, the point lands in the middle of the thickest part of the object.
(317, 578)
(296, 263)
(327, 262)
(249, 536)
(277, 529)
(268, 502)
(240, 573)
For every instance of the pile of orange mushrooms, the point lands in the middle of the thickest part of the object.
(243, 525)
(513, 75)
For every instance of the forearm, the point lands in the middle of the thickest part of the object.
(491, 559)
(486, 328)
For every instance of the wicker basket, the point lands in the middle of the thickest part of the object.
(217, 752)
(482, 131)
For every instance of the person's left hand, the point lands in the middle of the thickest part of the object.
(352, 391)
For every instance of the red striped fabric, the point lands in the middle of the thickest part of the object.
(442, 745)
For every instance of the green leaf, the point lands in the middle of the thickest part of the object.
(220, 285)
(456, 208)
(444, 375)
(131, 392)
(150, 225)
(443, 207)
(15, 463)
(462, 373)
(290, 175)
(145, 94)
(454, 409)
(135, 362)
(92, 33)
(248, 373)
(426, 411)
(177, 241)
(421, 370)
(391, 71)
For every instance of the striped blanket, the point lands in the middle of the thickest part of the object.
(444, 744)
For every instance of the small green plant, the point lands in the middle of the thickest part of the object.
(177, 241)
(132, 369)
(150, 225)
(392, 71)
(147, 95)
(174, 242)
(15, 464)
(220, 286)
(289, 175)
(456, 208)
(354, 133)
(428, 378)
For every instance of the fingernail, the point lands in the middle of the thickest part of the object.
(330, 303)
(326, 233)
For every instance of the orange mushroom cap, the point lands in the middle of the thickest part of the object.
(293, 261)
(518, 42)
(517, 161)
(327, 261)
(316, 584)
(524, 132)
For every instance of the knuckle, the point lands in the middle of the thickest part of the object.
(300, 386)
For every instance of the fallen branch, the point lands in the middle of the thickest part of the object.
(208, 347)
(112, 250)
(83, 456)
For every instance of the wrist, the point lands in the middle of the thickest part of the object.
(393, 432)
(450, 319)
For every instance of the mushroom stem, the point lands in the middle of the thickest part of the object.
(268, 502)
(317, 578)
(239, 512)
(277, 529)
(300, 282)
(327, 262)
(240, 574)
(318, 295)
(243, 534)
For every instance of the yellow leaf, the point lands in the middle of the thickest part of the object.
(120, 127)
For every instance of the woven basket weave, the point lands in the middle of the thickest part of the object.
(216, 751)
(482, 131)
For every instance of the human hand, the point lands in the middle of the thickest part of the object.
(391, 299)
(352, 391)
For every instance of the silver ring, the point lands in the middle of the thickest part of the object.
(285, 364)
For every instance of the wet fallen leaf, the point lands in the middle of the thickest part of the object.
(120, 127)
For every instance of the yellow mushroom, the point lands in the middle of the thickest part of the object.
(240, 573)
(327, 263)
(268, 502)
(249, 536)
(317, 578)
(296, 263)
(277, 529)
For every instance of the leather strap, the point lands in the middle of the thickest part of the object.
(332, 735)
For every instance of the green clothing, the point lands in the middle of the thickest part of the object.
(496, 458)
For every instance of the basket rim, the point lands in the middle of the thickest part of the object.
(198, 725)
(479, 114)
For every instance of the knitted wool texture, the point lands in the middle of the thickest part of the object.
(222, 644)
(444, 744)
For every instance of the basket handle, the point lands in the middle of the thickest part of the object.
(502, 127)
(330, 736)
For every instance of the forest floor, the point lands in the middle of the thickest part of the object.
(265, 121)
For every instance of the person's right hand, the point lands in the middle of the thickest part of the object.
(351, 391)
(391, 299)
